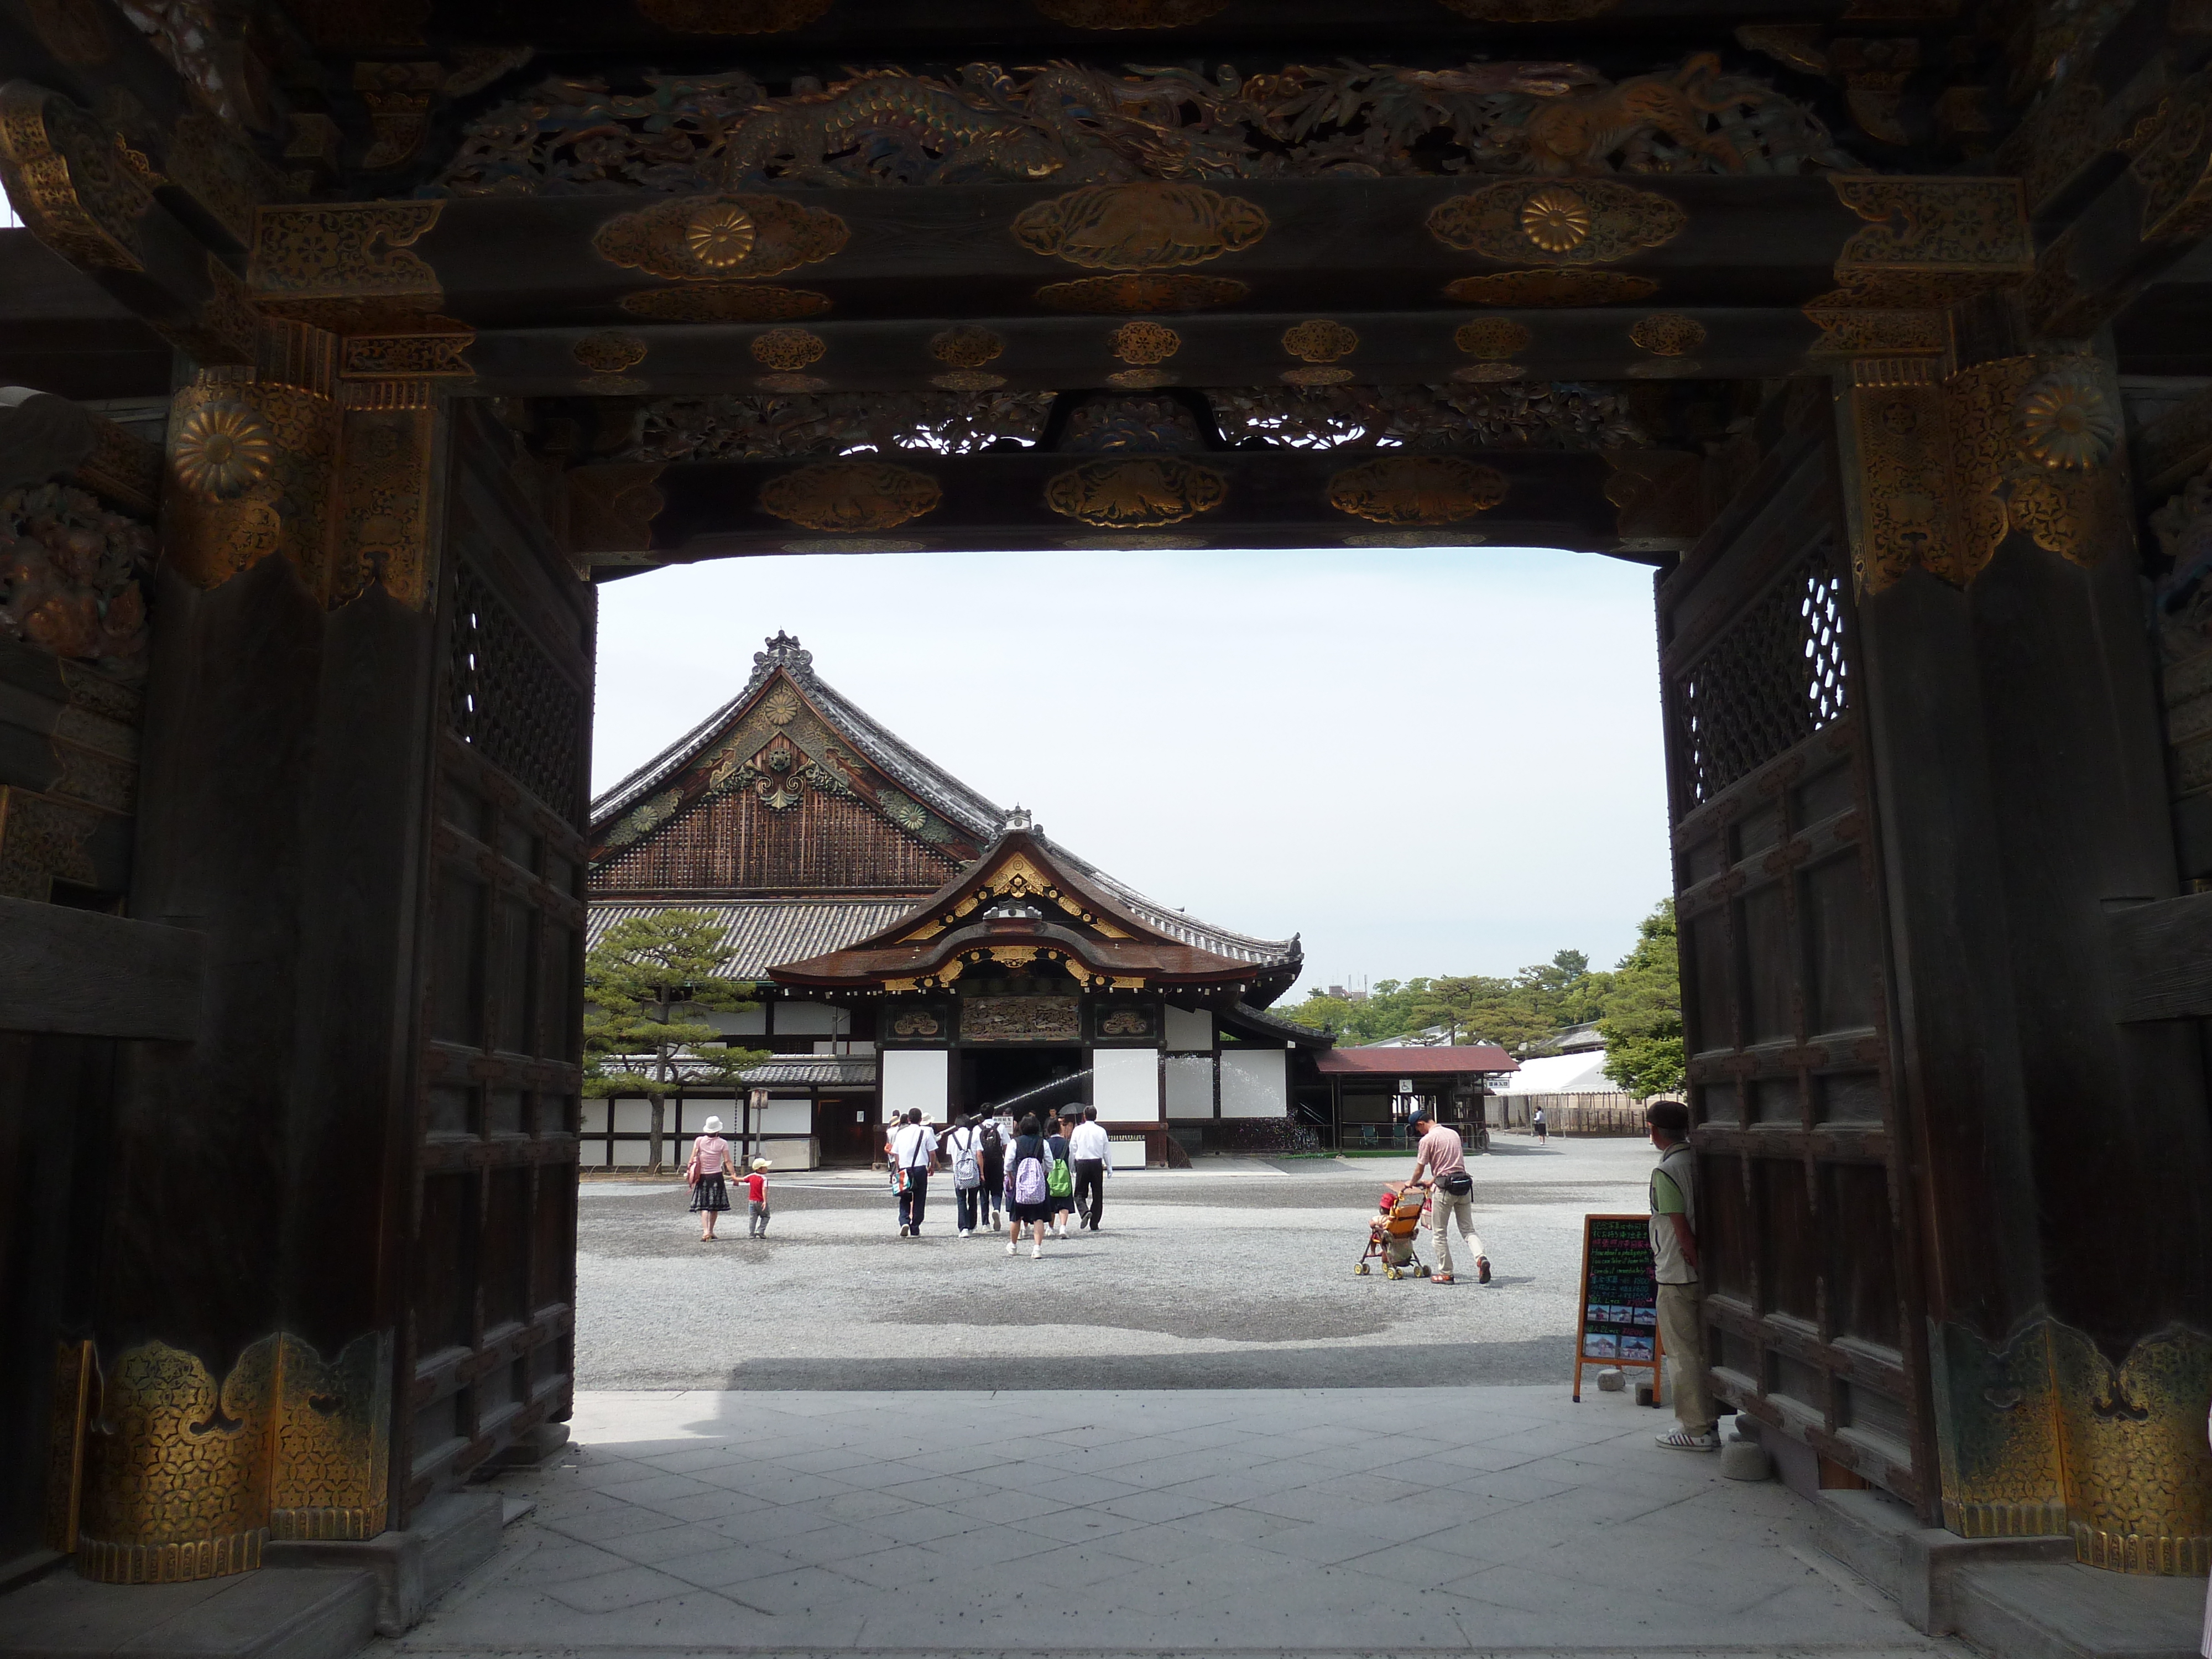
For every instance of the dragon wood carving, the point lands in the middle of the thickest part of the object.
(1073, 124)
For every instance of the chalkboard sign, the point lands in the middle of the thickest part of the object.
(1618, 1322)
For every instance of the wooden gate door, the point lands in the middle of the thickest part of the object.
(490, 1343)
(1811, 1292)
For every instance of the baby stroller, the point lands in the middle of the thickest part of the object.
(1391, 1236)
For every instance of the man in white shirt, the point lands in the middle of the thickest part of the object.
(1091, 1160)
(913, 1149)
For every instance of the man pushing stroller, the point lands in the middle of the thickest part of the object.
(1445, 1161)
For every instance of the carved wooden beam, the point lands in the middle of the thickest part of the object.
(88, 975)
(877, 27)
(1642, 504)
(44, 437)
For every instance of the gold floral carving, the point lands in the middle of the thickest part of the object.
(968, 380)
(1159, 489)
(1878, 334)
(965, 346)
(1314, 374)
(1416, 489)
(387, 460)
(331, 1430)
(1949, 468)
(1930, 241)
(1140, 227)
(1668, 334)
(249, 472)
(1150, 292)
(69, 179)
(791, 383)
(1320, 341)
(2174, 166)
(185, 1478)
(347, 266)
(42, 841)
(1416, 538)
(207, 158)
(854, 545)
(788, 349)
(1128, 14)
(1491, 337)
(609, 353)
(2138, 1474)
(1488, 373)
(1144, 343)
(725, 302)
(611, 507)
(1552, 288)
(732, 17)
(222, 449)
(177, 1469)
(724, 236)
(408, 356)
(1593, 221)
(849, 496)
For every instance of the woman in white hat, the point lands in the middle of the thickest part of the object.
(710, 1164)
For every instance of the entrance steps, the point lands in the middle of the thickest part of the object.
(2015, 1598)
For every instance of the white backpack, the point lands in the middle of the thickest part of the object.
(966, 1171)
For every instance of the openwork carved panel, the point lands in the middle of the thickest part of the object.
(1540, 414)
(764, 429)
(504, 694)
(1079, 125)
(1773, 679)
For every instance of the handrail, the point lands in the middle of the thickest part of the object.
(1035, 1089)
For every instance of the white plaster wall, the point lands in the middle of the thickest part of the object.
(807, 1018)
(750, 1022)
(1254, 1083)
(1125, 1083)
(1189, 1029)
(916, 1077)
(1190, 1085)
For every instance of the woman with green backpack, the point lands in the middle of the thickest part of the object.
(1029, 1197)
(1060, 1177)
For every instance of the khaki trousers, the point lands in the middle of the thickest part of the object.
(1682, 1334)
(1442, 1206)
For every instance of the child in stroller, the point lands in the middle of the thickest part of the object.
(1391, 1234)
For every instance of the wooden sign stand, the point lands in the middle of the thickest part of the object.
(1619, 1302)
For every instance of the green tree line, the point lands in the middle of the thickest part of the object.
(1637, 1004)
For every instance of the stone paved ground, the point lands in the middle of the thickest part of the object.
(1238, 1273)
(1496, 1520)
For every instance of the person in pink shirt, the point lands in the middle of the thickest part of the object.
(1451, 1195)
(709, 1171)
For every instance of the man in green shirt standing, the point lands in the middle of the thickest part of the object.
(1675, 1260)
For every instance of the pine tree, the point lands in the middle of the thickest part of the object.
(1641, 1023)
(646, 974)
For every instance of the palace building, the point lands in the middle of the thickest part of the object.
(916, 945)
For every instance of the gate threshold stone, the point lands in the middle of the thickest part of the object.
(276, 1613)
(2022, 1598)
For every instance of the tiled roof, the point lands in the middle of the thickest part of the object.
(1418, 1062)
(917, 775)
(758, 934)
(929, 783)
(813, 1071)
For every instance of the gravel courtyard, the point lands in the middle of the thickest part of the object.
(1236, 1274)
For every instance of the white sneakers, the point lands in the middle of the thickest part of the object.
(1010, 1250)
(1036, 1252)
(967, 1232)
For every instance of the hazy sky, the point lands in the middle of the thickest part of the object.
(1425, 761)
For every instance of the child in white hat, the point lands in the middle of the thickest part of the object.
(756, 1200)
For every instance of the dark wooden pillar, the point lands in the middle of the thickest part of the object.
(2062, 1157)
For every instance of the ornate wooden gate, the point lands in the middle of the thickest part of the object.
(488, 1347)
(1811, 1292)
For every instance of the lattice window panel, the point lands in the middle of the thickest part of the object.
(504, 696)
(1771, 680)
